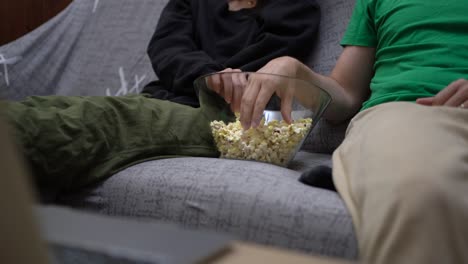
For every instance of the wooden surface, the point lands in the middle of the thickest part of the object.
(20, 240)
(241, 253)
(18, 17)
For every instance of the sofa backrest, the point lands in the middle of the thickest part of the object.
(333, 23)
(98, 47)
(326, 137)
(92, 47)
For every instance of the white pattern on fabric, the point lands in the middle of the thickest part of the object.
(5, 63)
(124, 85)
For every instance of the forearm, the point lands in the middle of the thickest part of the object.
(348, 86)
(342, 106)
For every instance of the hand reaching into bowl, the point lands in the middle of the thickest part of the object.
(261, 87)
(249, 93)
(230, 86)
(281, 77)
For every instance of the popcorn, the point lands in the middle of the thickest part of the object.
(273, 142)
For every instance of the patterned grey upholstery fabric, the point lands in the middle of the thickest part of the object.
(335, 17)
(94, 47)
(253, 201)
(98, 47)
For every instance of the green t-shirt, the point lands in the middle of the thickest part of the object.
(421, 45)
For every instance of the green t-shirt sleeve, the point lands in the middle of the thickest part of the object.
(361, 28)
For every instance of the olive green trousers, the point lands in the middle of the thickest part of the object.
(71, 142)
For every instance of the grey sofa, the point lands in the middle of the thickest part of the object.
(99, 48)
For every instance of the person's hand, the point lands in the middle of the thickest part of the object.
(454, 95)
(261, 87)
(229, 85)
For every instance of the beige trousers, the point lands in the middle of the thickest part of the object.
(402, 171)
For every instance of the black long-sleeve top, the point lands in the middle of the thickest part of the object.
(197, 37)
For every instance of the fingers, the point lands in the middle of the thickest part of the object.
(223, 84)
(227, 87)
(454, 95)
(248, 103)
(263, 97)
(259, 90)
(428, 101)
(459, 97)
(286, 107)
(239, 82)
(448, 92)
(215, 83)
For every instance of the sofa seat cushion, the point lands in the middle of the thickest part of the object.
(253, 201)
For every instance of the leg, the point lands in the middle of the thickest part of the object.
(74, 141)
(403, 173)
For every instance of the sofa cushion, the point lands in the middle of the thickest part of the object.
(253, 201)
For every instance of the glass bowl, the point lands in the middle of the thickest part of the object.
(273, 140)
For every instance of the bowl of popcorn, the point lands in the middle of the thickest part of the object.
(273, 140)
